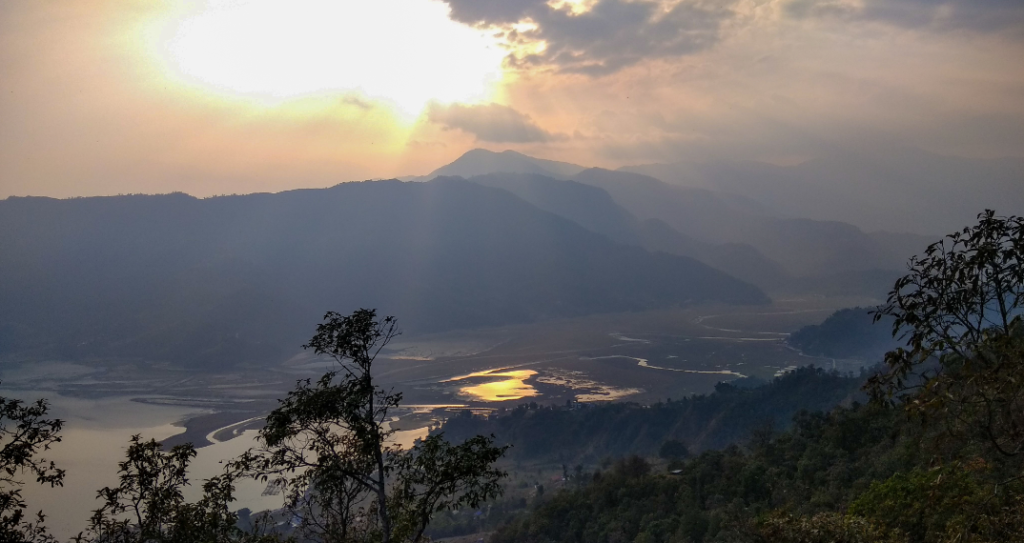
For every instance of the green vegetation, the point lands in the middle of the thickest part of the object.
(592, 433)
(327, 443)
(936, 457)
(817, 466)
(148, 504)
(960, 311)
(673, 450)
(25, 433)
(854, 474)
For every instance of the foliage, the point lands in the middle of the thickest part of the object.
(818, 466)
(673, 449)
(823, 528)
(856, 474)
(25, 432)
(959, 311)
(867, 473)
(850, 474)
(944, 504)
(329, 441)
(438, 476)
(148, 505)
(143, 506)
(703, 422)
(919, 502)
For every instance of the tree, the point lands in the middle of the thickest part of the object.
(143, 506)
(329, 441)
(148, 505)
(24, 433)
(674, 450)
(959, 313)
(823, 528)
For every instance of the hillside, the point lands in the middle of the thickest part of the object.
(242, 279)
(482, 161)
(703, 422)
(732, 230)
(804, 247)
(825, 469)
(847, 333)
(588, 206)
(593, 208)
(899, 189)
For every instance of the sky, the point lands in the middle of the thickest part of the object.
(238, 96)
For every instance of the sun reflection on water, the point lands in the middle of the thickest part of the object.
(511, 386)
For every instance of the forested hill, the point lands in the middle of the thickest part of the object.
(937, 456)
(593, 432)
(847, 333)
(790, 487)
(243, 278)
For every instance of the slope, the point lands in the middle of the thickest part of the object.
(900, 189)
(482, 161)
(592, 208)
(243, 278)
(804, 247)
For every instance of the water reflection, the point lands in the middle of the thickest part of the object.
(96, 435)
(511, 386)
(93, 440)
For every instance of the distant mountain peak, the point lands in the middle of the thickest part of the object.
(482, 162)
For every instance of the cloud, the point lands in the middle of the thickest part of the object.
(973, 15)
(489, 122)
(487, 12)
(601, 37)
(609, 36)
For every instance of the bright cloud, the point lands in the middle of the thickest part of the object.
(222, 96)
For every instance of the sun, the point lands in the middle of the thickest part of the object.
(405, 52)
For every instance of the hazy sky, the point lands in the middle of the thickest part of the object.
(235, 96)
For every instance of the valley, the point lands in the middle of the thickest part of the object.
(641, 357)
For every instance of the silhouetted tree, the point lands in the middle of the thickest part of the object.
(673, 450)
(148, 506)
(959, 312)
(24, 433)
(329, 440)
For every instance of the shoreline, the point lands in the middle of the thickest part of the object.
(199, 429)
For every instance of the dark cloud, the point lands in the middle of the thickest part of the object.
(611, 35)
(489, 122)
(489, 12)
(975, 15)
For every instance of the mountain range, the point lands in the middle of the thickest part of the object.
(897, 189)
(875, 188)
(244, 279)
(731, 232)
(490, 239)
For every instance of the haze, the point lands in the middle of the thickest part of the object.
(615, 234)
